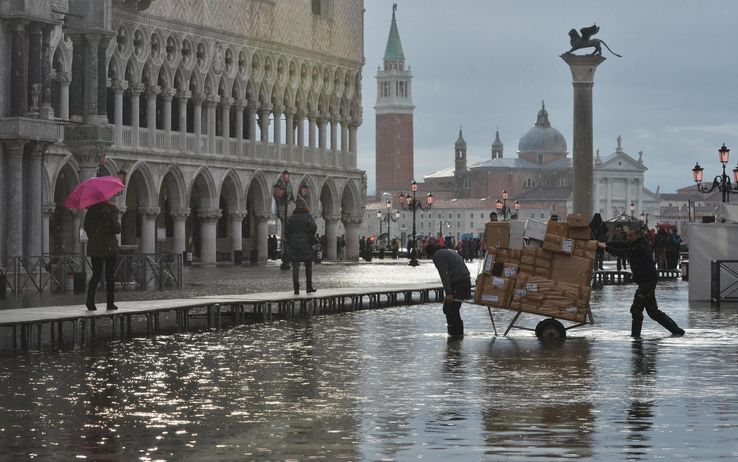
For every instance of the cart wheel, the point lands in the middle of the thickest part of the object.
(550, 329)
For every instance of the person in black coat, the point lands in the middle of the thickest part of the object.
(598, 229)
(299, 234)
(456, 285)
(639, 255)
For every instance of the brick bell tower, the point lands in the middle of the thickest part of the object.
(394, 112)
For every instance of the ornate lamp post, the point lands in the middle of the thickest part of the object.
(644, 218)
(632, 209)
(440, 228)
(388, 216)
(282, 193)
(503, 209)
(411, 203)
(720, 182)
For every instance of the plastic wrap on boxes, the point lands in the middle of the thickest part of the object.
(497, 234)
(535, 230)
(517, 242)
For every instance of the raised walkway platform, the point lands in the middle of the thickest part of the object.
(57, 326)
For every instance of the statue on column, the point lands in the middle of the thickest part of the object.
(585, 40)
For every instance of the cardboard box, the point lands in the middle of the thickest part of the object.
(517, 242)
(517, 228)
(577, 220)
(489, 261)
(494, 291)
(572, 269)
(558, 244)
(586, 249)
(580, 232)
(534, 243)
(510, 270)
(535, 230)
(555, 228)
(497, 235)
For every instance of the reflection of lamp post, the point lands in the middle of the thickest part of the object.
(387, 216)
(282, 193)
(502, 207)
(410, 203)
(721, 182)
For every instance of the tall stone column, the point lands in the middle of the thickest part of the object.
(46, 110)
(334, 133)
(608, 211)
(119, 87)
(331, 235)
(92, 81)
(289, 117)
(225, 122)
(582, 71)
(312, 122)
(262, 236)
(353, 130)
(352, 225)
(300, 121)
(321, 131)
(277, 113)
(240, 105)
(148, 229)
(48, 210)
(345, 135)
(179, 216)
(182, 97)
(14, 197)
(251, 108)
(235, 221)
(18, 70)
(76, 224)
(208, 220)
(264, 112)
(136, 90)
(212, 103)
(34, 196)
(166, 114)
(64, 80)
(197, 101)
(34, 68)
(152, 91)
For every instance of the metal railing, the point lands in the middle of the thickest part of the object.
(57, 273)
(723, 281)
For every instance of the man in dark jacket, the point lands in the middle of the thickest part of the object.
(639, 255)
(299, 234)
(456, 284)
(102, 225)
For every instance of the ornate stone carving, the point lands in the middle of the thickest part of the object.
(331, 217)
(168, 93)
(180, 214)
(209, 215)
(261, 217)
(148, 212)
(118, 86)
(218, 59)
(349, 220)
(48, 209)
(136, 88)
(578, 42)
(237, 215)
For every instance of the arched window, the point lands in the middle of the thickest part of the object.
(529, 183)
(562, 182)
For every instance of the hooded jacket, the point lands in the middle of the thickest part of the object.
(101, 226)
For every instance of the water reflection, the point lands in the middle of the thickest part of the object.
(640, 411)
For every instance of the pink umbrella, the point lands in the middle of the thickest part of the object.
(93, 191)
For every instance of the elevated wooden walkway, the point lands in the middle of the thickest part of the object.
(57, 326)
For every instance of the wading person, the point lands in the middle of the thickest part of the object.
(456, 285)
(101, 226)
(638, 253)
(299, 234)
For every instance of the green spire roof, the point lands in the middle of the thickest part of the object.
(394, 45)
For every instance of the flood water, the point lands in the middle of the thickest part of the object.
(388, 385)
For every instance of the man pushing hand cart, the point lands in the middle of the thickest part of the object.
(456, 285)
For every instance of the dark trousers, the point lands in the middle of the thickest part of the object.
(296, 274)
(97, 269)
(461, 291)
(622, 263)
(645, 298)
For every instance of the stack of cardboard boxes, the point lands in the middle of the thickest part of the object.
(550, 276)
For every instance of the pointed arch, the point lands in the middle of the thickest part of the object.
(165, 78)
(204, 178)
(329, 197)
(350, 200)
(174, 181)
(314, 197)
(258, 194)
(144, 188)
(115, 68)
(197, 85)
(232, 188)
(133, 71)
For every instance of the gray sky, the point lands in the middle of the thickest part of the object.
(485, 64)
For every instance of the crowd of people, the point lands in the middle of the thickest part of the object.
(469, 249)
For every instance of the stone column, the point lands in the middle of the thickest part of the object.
(251, 108)
(18, 72)
(225, 122)
(352, 225)
(331, 234)
(235, 221)
(208, 220)
(334, 133)
(240, 105)
(46, 111)
(92, 81)
(211, 103)
(136, 90)
(345, 135)
(582, 71)
(312, 121)
(119, 87)
(639, 196)
(48, 210)
(321, 131)
(182, 97)
(34, 68)
(609, 199)
(264, 112)
(353, 130)
(152, 91)
(262, 236)
(300, 120)
(34, 193)
(166, 114)
(179, 216)
(148, 229)
(277, 113)
(14, 196)
(197, 101)
(76, 224)
(64, 80)
(289, 116)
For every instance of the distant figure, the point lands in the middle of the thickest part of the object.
(101, 225)
(299, 234)
(620, 236)
(640, 257)
(272, 247)
(456, 285)
(598, 229)
(493, 216)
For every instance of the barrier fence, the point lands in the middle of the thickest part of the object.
(58, 274)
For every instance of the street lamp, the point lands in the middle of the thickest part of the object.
(632, 208)
(503, 209)
(644, 218)
(440, 228)
(720, 182)
(411, 203)
(282, 193)
(388, 216)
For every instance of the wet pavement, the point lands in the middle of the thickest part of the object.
(387, 385)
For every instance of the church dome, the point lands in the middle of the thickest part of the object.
(543, 138)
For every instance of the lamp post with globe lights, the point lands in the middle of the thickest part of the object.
(720, 182)
(389, 216)
(411, 203)
(283, 195)
(503, 209)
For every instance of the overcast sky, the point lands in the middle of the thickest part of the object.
(485, 64)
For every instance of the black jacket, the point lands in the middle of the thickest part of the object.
(640, 258)
(299, 233)
(451, 268)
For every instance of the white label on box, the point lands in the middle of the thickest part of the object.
(489, 261)
(531, 287)
(509, 272)
(572, 309)
(490, 298)
(521, 292)
(498, 282)
(567, 246)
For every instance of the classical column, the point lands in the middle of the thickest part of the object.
(334, 133)
(182, 97)
(225, 117)
(608, 212)
(353, 129)
(235, 221)
(152, 91)
(208, 220)
(639, 195)
(345, 135)
(166, 97)
(300, 120)
(289, 116)
(48, 210)
(34, 193)
(64, 79)
(277, 112)
(34, 68)
(264, 112)
(352, 225)
(321, 131)
(119, 87)
(121, 211)
(197, 101)
(211, 103)
(312, 121)
(331, 235)
(240, 105)
(102, 81)
(179, 217)
(19, 70)
(46, 110)
(251, 110)
(148, 229)
(76, 224)
(262, 236)
(136, 89)
(14, 196)
(92, 81)
(78, 77)
(582, 71)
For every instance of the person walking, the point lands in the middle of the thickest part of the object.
(456, 285)
(620, 236)
(598, 229)
(299, 234)
(101, 225)
(638, 253)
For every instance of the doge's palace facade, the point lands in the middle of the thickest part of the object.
(203, 103)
